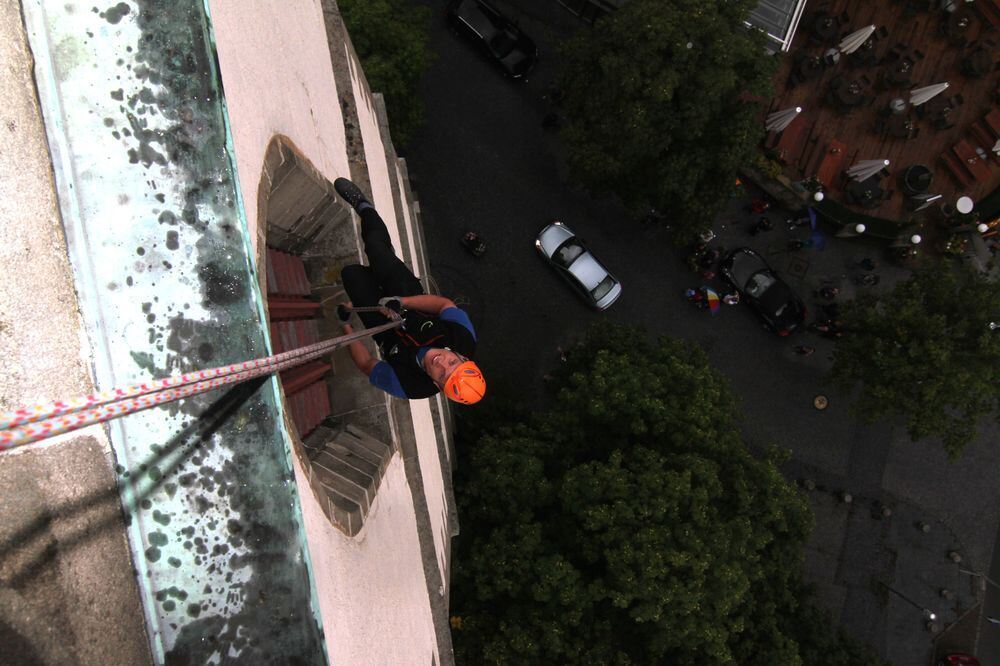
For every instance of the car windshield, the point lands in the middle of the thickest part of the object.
(503, 43)
(759, 283)
(601, 290)
(567, 253)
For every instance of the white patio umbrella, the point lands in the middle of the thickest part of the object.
(921, 95)
(779, 120)
(853, 41)
(866, 169)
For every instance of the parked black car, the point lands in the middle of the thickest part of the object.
(772, 299)
(496, 35)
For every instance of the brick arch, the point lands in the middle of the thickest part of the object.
(305, 235)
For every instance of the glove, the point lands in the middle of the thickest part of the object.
(343, 314)
(393, 303)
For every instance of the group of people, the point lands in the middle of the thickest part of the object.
(703, 260)
(829, 324)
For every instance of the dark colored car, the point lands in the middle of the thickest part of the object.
(772, 299)
(496, 35)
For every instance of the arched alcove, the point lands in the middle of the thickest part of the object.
(306, 234)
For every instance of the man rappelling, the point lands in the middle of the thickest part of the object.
(432, 350)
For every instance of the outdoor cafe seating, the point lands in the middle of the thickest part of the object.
(898, 74)
(865, 55)
(806, 68)
(959, 25)
(866, 193)
(824, 28)
(978, 63)
(896, 126)
(846, 95)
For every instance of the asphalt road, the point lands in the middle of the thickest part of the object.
(483, 162)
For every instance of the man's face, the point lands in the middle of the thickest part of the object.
(440, 363)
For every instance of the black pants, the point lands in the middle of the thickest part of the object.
(385, 274)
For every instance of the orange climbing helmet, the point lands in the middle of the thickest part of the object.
(465, 384)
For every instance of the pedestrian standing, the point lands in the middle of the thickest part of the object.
(868, 279)
(763, 224)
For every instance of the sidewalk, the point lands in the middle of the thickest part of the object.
(855, 551)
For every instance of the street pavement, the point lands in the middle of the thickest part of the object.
(483, 162)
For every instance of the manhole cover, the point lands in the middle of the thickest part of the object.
(797, 267)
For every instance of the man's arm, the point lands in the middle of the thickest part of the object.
(362, 358)
(427, 303)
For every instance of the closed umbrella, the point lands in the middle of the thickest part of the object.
(779, 120)
(921, 95)
(866, 169)
(853, 41)
(927, 200)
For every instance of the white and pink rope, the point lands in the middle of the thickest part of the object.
(32, 423)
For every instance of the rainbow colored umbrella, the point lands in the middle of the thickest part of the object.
(714, 302)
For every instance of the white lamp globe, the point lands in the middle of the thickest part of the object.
(860, 228)
(915, 239)
(818, 196)
(982, 228)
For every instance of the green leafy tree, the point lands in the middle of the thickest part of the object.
(925, 352)
(660, 105)
(390, 37)
(627, 523)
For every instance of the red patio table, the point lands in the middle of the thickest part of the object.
(832, 164)
(971, 161)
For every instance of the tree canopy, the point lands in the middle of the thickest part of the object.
(926, 352)
(390, 38)
(627, 523)
(660, 105)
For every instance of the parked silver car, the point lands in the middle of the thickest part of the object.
(570, 257)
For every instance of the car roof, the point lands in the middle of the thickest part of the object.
(588, 270)
(744, 264)
(552, 236)
(472, 14)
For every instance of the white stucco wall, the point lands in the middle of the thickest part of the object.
(430, 472)
(277, 77)
(276, 71)
(372, 591)
(423, 421)
(375, 159)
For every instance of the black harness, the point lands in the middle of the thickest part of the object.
(421, 330)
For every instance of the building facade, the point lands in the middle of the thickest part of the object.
(170, 177)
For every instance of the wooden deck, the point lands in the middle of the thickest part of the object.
(826, 139)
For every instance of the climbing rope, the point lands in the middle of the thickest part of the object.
(31, 423)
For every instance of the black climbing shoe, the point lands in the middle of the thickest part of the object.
(350, 193)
